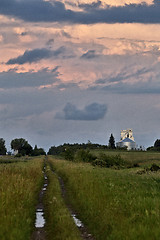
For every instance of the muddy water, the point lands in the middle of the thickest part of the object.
(84, 232)
(77, 221)
(39, 233)
(40, 220)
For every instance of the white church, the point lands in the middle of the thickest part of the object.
(127, 140)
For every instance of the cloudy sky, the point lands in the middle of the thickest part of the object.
(73, 71)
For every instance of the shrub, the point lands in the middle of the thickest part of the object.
(154, 167)
(84, 156)
(18, 155)
(99, 162)
(136, 165)
(112, 160)
(69, 154)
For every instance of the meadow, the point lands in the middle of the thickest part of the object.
(20, 182)
(113, 204)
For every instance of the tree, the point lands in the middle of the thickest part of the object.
(38, 151)
(157, 143)
(3, 149)
(22, 146)
(69, 154)
(112, 142)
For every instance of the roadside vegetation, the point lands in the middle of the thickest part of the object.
(20, 184)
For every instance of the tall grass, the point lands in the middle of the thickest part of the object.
(113, 204)
(132, 157)
(19, 187)
(59, 223)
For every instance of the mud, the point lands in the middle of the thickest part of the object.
(83, 230)
(39, 233)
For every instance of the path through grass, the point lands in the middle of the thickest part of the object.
(59, 223)
(113, 204)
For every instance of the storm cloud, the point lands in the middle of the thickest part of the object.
(94, 111)
(90, 7)
(12, 79)
(35, 55)
(57, 12)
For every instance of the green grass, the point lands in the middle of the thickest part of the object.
(114, 204)
(59, 223)
(20, 184)
(13, 159)
(133, 157)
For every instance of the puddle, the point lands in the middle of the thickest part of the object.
(40, 221)
(77, 221)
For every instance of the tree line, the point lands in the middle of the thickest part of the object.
(156, 146)
(21, 147)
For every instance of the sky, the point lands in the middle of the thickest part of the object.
(73, 71)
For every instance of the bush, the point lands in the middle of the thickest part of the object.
(18, 155)
(84, 156)
(111, 160)
(69, 154)
(99, 162)
(154, 167)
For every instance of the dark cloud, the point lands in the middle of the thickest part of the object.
(89, 54)
(137, 88)
(148, 87)
(57, 12)
(94, 111)
(35, 55)
(12, 79)
(90, 7)
(124, 75)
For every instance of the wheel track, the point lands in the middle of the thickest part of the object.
(81, 227)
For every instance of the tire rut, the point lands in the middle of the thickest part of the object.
(83, 230)
(39, 233)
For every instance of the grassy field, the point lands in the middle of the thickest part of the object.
(115, 204)
(144, 159)
(20, 184)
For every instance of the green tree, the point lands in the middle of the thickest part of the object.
(38, 151)
(22, 146)
(157, 143)
(112, 142)
(3, 149)
(69, 154)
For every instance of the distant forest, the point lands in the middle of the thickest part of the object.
(21, 147)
